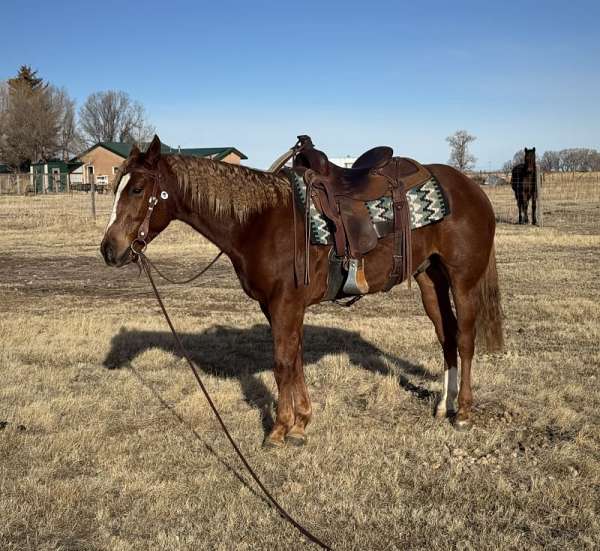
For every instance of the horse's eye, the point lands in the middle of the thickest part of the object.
(137, 190)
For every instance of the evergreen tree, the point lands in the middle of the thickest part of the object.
(27, 77)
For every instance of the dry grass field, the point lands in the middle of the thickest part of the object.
(105, 443)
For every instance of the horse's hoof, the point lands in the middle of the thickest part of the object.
(270, 444)
(463, 425)
(443, 413)
(440, 413)
(297, 440)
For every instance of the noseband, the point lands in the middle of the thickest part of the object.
(139, 244)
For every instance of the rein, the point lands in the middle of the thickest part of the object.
(138, 247)
(194, 277)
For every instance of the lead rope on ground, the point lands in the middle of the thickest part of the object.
(146, 265)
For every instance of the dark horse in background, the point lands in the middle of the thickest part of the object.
(524, 184)
(249, 215)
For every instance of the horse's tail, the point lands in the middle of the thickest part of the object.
(490, 333)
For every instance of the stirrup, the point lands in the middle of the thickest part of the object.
(356, 283)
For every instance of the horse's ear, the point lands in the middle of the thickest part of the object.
(135, 152)
(153, 152)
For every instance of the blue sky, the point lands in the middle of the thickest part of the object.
(351, 74)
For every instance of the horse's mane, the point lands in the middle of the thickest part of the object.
(226, 189)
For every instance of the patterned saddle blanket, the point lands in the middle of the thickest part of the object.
(427, 204)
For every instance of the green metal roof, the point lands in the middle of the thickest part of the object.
(123, 150)
(70, 165)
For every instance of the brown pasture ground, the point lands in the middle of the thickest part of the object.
(105, 443)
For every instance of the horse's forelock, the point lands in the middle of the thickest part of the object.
(120, 173)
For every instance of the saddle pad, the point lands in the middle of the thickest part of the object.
(427, 204)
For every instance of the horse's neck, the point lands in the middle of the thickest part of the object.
(222, 231)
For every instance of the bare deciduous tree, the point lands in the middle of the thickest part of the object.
(3, 115)
(69, 138)
(550, 161)
(460, 156)
(507, 168)
(578, 159)
(575, 159)
(111, 116)
(37, 120)
(519, 157)
(31, 120)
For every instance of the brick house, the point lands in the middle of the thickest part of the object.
(102, 160)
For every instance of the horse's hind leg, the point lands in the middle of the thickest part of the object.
(466, 300)
(436, 300)
(534, 209)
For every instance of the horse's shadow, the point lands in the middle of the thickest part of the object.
(231, 352)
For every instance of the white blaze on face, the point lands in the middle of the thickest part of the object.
(113, 214)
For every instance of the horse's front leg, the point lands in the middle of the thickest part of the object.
(534, 209)
(287, 317)
(302, 403)
(520, 207)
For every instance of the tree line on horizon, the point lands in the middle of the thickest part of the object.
(39, 121)
(573, 159)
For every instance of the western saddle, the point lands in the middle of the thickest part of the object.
(339, 194)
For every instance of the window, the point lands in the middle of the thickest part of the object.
(116, 169)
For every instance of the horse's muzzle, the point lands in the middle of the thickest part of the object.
(112, 257)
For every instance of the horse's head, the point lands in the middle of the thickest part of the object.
(530, 158)
(142, 177)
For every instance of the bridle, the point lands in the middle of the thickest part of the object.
(138, 247)
(142, 234)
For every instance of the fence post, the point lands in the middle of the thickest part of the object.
(93, 194)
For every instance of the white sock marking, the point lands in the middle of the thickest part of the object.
(450, 392)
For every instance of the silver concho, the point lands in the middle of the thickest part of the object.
(164, 195)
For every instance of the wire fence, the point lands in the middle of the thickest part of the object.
(40, 183)
(15, 183)
(564, 198)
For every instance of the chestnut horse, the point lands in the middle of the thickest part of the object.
(524, 183)
(248, 214)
